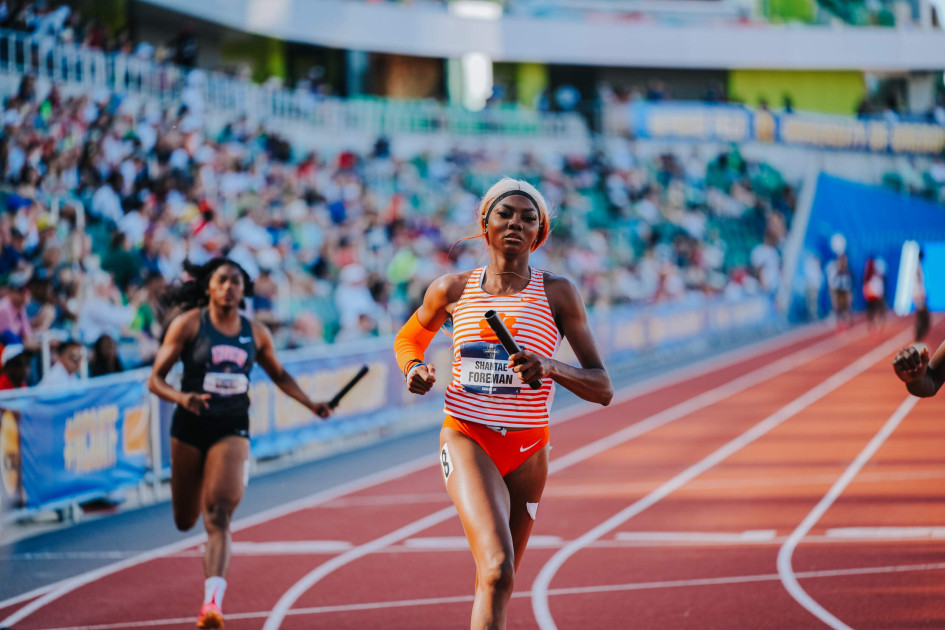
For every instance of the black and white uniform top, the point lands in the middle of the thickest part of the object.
(219, 365)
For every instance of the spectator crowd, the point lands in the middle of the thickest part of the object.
(104, 196)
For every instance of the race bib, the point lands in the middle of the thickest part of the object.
(484, 369)
(225, 384)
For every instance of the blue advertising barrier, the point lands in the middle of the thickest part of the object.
(735, 123)
(81, 442)
(70, 445)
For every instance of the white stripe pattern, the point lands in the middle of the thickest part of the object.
(529, 318)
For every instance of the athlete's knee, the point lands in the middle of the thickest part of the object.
(498, 573)
(218, 514)
(185, 520)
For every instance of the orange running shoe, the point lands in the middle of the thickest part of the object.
(210, 616)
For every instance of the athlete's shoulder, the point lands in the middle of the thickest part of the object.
(185, 326)
(562, 293)
(262, 336)
(554, 282)
(451, 285)
(189, 319)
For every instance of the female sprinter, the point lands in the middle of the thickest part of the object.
(494, 442)
(210, 429)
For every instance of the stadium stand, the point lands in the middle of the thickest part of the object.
(138, 189)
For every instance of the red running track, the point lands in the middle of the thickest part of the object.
(789, 485)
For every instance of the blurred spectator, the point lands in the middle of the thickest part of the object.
(13, 252)
(874, 292)
(265, 291)
(106, 202)
(13, 315)
(766, 262)
(813, 283)
(840, 283)
(65, 371)
(307, 330)
(184, 46)
(102, 311)
(43, 307)
(151, 317)
(121, 263)
(14, 366)
(353, 298)
(105, 359)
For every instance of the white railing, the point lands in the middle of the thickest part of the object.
(22, 53)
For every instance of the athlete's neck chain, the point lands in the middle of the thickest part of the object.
(501, 273)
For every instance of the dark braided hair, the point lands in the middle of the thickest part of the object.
(193, 293)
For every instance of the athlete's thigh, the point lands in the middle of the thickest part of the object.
(479, 493)
(525, 484)
(226, 471)
(186, 482)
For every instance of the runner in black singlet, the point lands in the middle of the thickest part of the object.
(217, 365)
(210, 430)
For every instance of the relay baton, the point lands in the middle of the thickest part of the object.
(344, 390)
(505, 338)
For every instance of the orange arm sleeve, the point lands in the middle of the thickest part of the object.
(411, 343)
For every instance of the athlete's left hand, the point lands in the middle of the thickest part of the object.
(320, 409)
(529, 365)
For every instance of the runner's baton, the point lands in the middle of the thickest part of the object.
(344, 390)
(505, 338)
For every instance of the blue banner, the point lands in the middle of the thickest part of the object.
(735, 123)
(81, 442)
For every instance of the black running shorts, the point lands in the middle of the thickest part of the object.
(205, 431)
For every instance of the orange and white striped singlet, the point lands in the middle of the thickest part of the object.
(483, 390)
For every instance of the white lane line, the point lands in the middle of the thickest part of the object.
(743, 579)
(540, 587)
(885, 533)
(631, 487)
(621, 540)
(747, 536)
(582, 590)
(766, 347)
(658, 540)
(452, 543)
(680, 410)
(785, 554)
(703, 400)
(291, 547)
(717, 362)
(298, 589)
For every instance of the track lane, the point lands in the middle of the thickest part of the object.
(316, 523)
(750, 375)
(668, 512)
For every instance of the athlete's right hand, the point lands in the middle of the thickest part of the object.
(195, 403)
(422, 379)
(911, 363)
